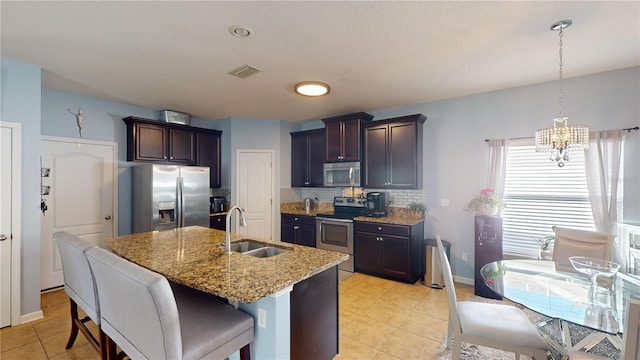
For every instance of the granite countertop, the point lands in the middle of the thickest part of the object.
(390, 219)
(194, 256)
(396, 215)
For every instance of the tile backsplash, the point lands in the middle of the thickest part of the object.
(400, 198)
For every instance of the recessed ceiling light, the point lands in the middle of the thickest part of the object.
(312, 88)
(240, 31)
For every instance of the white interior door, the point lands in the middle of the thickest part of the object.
(10, 194)
(254, 191)
(81, 198)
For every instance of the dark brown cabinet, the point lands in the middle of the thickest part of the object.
(344, 135)
(298, 229)
(218, 222)
(387, 250)
(153, 141)
(392, 153)
(314, 317)
(209, 154)
(307, 158)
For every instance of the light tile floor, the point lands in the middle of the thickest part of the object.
(379, 319)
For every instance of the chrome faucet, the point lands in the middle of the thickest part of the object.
(243, 223)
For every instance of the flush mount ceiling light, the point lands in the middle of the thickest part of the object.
(240, 31)
(562, 138)
(312, 88)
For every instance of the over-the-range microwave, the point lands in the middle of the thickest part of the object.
(342, 174)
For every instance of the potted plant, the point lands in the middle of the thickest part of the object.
(546, 244)
(486, 203)
(417, 210)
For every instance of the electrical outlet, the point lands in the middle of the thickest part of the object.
(390, 200)
(262, 318)
(444, 202)
(464, 257)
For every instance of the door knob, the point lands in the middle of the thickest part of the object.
(3, 237)
(108, 217)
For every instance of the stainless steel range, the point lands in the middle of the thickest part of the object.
(334, 231)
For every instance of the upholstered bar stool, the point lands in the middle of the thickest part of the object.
(148, 319)
(79, 286)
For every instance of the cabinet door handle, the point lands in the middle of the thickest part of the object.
(295, 219)
(296, 227)
(108, 217)
(3, 237)
(379, 228)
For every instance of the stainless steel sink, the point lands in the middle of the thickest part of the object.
(243, 246)
(267, 251)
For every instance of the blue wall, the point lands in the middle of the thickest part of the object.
(455, 154)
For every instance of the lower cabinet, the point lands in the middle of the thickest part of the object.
(314, 317)
(218, 222)
(389, 250)
(298, 229)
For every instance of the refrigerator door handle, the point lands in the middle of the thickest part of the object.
(180, 199)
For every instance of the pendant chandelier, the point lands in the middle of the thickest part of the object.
(561, 139)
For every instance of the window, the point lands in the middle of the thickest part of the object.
(539, 195)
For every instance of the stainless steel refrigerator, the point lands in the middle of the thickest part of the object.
(168, 196)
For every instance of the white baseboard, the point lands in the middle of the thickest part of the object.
(36, 315)
(463, 280)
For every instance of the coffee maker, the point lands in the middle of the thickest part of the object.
(217, 204)
(376, 204)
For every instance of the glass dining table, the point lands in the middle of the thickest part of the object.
(538, 286)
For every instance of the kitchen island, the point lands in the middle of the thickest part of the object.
(284, 293)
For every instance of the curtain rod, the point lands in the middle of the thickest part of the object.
(529, 137)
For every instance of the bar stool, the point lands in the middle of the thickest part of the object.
(142, 314)
(80, 287)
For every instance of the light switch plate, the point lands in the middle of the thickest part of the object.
(444, 202)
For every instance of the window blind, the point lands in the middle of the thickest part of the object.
(539, 195)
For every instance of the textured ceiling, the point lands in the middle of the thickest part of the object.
(177, 55)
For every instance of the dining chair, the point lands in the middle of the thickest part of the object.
(573, 242)
(630, 341)
(80, 287)
(149, 318)
(498, 326)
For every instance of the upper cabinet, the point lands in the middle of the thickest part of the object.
(307, 158)
(392, 153)
(343, 136)
(155, 141)
(208, 154)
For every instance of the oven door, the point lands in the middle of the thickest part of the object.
(336, 235)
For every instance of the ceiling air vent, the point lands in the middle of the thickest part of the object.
(244, 71)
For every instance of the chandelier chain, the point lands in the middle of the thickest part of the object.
(561, 78)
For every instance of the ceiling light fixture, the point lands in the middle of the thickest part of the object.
(240, 31)
(312, 88)
(562, 138)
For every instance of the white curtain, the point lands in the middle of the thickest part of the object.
(602, 164)
(497, 165)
